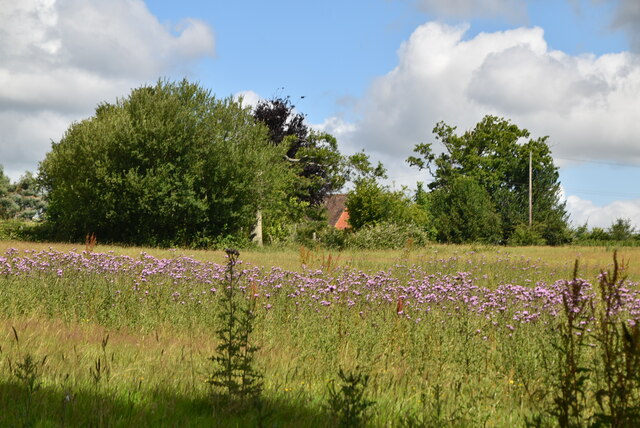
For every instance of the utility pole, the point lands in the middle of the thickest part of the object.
(530, 191)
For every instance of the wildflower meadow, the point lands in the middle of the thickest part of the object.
(91, 338)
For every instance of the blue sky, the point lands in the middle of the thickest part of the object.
(378, 74)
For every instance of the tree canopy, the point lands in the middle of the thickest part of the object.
(494, 156)
(463, 212)
(169, 164)
(8, 207)
(20, 200)
(371, 203)
(313, 156)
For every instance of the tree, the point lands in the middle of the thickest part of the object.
(170, 164)
(314, 156)
(621, 229)
(278, 115)
(359, 168)
(371, 203)
(8, 207)
(463, 212)
(599, 234)
(21, 200)
(494, 157)
(28, 197)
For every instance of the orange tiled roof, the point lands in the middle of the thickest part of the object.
(343, 221)
(336, 209)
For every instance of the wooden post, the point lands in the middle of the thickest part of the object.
(530, 190)
(257, 231)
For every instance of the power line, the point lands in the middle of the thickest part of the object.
(611, 163)
(598, 192)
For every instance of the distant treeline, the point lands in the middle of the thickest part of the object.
(172, 165)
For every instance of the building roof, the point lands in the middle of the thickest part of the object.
(337, 211)
(343, 221)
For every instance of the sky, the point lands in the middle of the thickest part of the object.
(377, 74)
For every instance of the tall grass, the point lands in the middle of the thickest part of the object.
(126, 340)
(555, 262)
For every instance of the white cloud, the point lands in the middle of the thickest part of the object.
(23, 144)
(59, 59)
(625, 17)
(123, 38)
(335, 125)
(583, 211)
(249, 98)
(587, 105)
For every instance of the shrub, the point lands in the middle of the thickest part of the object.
(21, 230)
(334, 238)
(388, 236)
(161, 166)
(463, 212)
(526, 235)
(308, 232)
(371, 203)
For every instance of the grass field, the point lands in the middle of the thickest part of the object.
(449, 335)
(557, 261)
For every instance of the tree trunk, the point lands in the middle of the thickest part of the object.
(257, 230)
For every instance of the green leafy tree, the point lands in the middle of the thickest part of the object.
(28, 197)
(359, 168)
(8, 207)
(599, 234)
(463, 212)
(493, 155)
(371, 203)
(22, 200)
(170, 164)
(621, 230)
(313, 156)
(321, 169)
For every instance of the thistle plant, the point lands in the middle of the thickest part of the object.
(615, 370)
(348, 404)
(234, 373)
(570, 373)
(619, 395)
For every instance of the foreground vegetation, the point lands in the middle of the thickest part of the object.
(442, 336)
